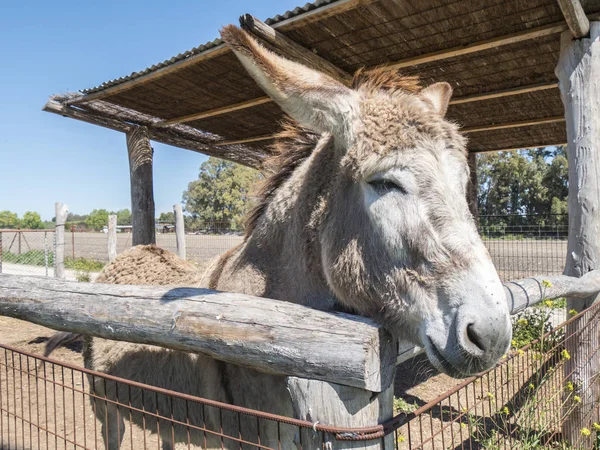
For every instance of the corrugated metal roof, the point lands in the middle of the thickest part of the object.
(207, 46)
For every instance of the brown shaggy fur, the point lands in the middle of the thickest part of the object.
(294, 144)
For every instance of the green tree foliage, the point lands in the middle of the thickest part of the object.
(167, 217)
(97, 219)
(221, 192)
(9, 220)
(123, 217)
(31, 221)
(523, 182)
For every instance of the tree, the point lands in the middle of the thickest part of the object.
(9, 219)
(32, 221)
(167, 217)
(221, 192)
(525, 182)
(97, 219)
(123, 217)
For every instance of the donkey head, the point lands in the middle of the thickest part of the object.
(397, 240)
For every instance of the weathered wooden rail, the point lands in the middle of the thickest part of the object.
(267, 335)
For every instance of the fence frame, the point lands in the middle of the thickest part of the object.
(362, 376)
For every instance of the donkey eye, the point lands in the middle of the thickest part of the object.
(382, 186)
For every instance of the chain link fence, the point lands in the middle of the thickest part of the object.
(27, 252)
(520, 246)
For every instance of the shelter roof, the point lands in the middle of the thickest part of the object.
(499, 56)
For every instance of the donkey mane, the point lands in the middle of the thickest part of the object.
(294, 143)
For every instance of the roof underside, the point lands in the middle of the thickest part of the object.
(354, 33)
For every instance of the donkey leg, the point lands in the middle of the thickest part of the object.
(113, 426)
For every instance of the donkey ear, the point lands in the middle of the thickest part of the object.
(439, 95)
(314, 99)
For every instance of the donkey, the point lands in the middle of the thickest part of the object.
(365, 211)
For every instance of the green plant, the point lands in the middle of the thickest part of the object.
(31, 258)
(402, 406)
(83, 276)
(84, 264)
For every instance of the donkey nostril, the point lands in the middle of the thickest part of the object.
(474, 338)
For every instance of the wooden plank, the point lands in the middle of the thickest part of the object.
(112, 238)
(512, 38)
(503, 93)
(578, 71)
(167, 135)
(60, 211)
(517, 148)
(265, 137)
(523, 123)
(180, 231)
(267, 335)
(575, 16)
(291, 50)
(142, 186)
(215, 112)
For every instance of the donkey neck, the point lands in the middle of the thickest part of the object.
(285, 245)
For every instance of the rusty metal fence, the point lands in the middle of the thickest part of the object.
(535, 398)
(526, 402)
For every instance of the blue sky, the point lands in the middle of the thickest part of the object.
(60, 46)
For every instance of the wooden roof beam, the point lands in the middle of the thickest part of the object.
(455, 101)
(171, 136)
(476, 129)
(522, 123)
(575, 16)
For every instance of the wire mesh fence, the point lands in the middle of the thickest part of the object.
(534, 398)
(27, 252)
(522, 246)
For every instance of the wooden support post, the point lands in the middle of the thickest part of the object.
(578, 71)
(142, 189)
(112, 238)
(575, 17)
(343, 406)
(473, 187)
(60, 211)
(180, 231)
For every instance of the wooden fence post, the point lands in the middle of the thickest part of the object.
(180, 231)
(142, 189)
(112, 238)
(578, 71)
(326, 403)
(61, 211)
